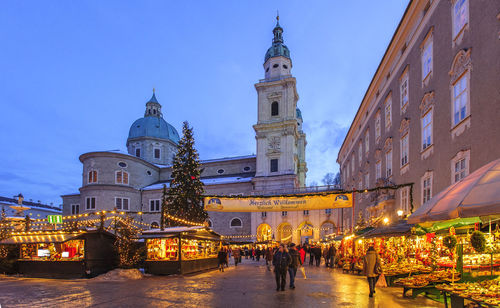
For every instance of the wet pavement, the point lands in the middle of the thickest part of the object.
(248, 285)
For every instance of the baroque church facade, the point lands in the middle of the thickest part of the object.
(133, 180)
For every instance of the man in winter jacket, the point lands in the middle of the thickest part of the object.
(371, 268)
(296, 261)
(281, 261)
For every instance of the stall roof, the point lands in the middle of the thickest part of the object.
(478, 194)
(197, 231)
(40, 238)
(46, 237)
(399, 228)
(339, 237)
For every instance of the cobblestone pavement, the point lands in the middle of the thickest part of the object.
(248, 285)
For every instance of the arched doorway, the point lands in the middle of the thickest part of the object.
(328, 227)
(154, 225)
(306, 232)
(285, 233)
(264, 233)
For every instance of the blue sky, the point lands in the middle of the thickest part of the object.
(74, 75)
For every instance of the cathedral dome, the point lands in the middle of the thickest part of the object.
(152, 124)
(154, 127)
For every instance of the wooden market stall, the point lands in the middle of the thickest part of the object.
(61, 254)
(181, 250)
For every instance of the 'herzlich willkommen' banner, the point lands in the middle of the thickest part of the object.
(276, 204)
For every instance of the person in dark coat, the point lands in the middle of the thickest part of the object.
(222, 257)
(317, 255)
(269, 257)
(281, 261)
(257, 254)
(237, 256)
(296, 261)
(333, 252)
(311, 255)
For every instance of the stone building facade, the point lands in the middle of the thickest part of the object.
(133, 180)
(430, 114)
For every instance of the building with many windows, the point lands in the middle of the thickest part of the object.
(133, 180)
(430, 114)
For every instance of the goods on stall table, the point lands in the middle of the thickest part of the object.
(405, 268)
(422, 280)
(72, 250)
(486, 291)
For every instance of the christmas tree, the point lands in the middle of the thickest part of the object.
(4, 233)
(185, 195)
(129, 253)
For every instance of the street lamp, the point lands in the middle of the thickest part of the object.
(386, 220)
(400, 213)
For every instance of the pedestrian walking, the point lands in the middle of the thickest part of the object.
(269, 257)
(221, 256)
(257, 254)
(253, 254)
(317, 255)
(236, 256)
(302, 253)
(246, 252)
(281, 261)
(311, 255)
(333, 252)
(372, 268)
(326, 255)
(294, 264)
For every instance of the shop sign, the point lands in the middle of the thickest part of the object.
(55, 219)
(278, 203)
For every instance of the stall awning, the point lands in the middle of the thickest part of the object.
(400, 228)
(193, 232)
(478, 194)
(40, 238)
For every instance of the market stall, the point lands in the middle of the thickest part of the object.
(63, 254)
(181, 250)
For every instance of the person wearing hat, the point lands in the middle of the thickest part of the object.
(281, 261)
(296, 261)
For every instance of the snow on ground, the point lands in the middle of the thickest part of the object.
(120, 274)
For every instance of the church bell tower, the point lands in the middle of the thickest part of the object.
(278, 132)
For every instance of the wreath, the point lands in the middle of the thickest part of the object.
(478, 241)
(450, 241)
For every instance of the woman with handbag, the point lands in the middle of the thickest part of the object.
(372, 268)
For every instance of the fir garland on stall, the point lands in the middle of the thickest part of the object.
(186, 189)
(129, 254)
(478, 241)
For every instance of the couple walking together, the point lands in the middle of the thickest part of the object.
(286, 260)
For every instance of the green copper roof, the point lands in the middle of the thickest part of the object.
(299, 113)
(278, 49)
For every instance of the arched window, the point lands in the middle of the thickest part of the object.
(210, 224)
(121, 177)
(154, 225)
(92, 176)
(274, 109)
(236, 223)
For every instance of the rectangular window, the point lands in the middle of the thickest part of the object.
(427, 130)
(90, 203)
(378, 129)
(352, 164)
(404, 200)
(388, 164)
(157, 152)
(388, 113)
(460, 169)
(154, 205)
(121, 177)
(404, 150)
(404, 92)
(274, 165)
(378, 170)
(122, 204)
(328, 211)
(460, 16)
(92, 176)
(306, 212)
(138, 152)
(360, 153)
(427, 59)
(426, 189)
(460, 97)
(263, 214)
(367, 142)
(284, 213)
(367, 180)
(75, 209)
